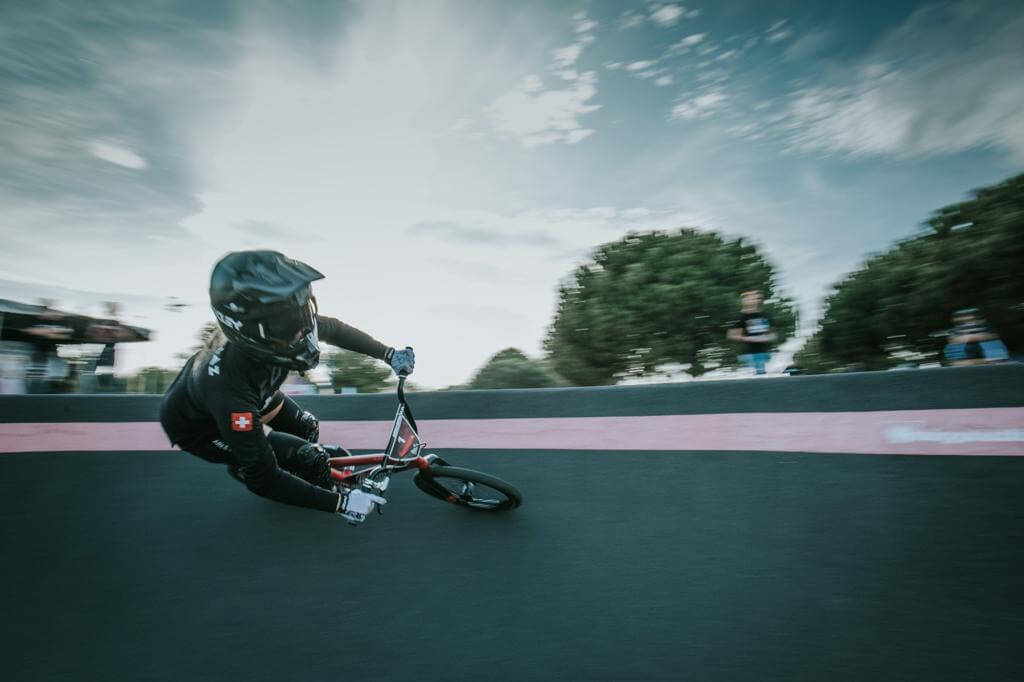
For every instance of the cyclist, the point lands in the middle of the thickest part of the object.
(217, 406)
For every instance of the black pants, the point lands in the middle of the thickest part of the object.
(309, 464)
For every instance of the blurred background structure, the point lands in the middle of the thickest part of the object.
(44, 350)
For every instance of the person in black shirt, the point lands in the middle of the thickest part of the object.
(216, 407)
(972, 341)
(754, 331)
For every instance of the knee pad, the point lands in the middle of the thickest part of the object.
(310, 464)
(310, 427)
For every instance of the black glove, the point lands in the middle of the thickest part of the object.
(402, 361)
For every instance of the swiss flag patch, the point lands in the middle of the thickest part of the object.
(241, 421)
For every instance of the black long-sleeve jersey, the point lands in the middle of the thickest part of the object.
(223, 399)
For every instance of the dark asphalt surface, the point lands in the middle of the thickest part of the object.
(619, 566)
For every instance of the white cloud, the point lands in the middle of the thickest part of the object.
(548, 116)
(565, 57)
(701, 106)
(726, 55)
(636, 213)
(683, 46)
(649, 73)
(641, 65)
(913, 95)
(747, 130)
(630, 20)
(540, 117)
(778, 35)
(713, 76)
(613, 66)
(532, 83)
(667, 15)
(117, 154)
(574, 136)
(776, 26)
(663, 81)
(808, 45)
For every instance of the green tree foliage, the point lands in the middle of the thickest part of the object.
(150, 380)
(656, 298)
(511, 368)
(351, 369)
(899, 304)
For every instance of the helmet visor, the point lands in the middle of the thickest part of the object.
(287, 324)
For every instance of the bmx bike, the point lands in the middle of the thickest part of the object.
(434, 476)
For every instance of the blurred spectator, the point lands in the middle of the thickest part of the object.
(106, 331)
(12, 370)
(104, 369)
(972, 341)
(47, 372)
(754, 331)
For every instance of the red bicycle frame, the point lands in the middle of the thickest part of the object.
(404, 439)
(378, 460)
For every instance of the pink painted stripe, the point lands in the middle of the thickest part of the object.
(990, 431)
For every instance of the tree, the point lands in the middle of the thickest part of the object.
(151, 380)
(898, 306)
(351, 369)
(656, 298)
(511, 368)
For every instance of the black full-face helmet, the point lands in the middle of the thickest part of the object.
(264, 303)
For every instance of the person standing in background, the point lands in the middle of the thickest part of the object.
(972, 341)
(753, 330)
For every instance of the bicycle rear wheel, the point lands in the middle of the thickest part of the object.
(468, 488)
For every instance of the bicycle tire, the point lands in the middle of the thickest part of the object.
(429, 481)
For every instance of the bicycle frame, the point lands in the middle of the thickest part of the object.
(381, 462)
(381, 465)
(371, 473)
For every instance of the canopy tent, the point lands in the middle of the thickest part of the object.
(40, 324)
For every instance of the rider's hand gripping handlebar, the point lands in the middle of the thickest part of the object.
(357, 504)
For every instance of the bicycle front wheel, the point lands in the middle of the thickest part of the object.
(468, 488)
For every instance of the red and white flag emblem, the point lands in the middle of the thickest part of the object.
(241, 421)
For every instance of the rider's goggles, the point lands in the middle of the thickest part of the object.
(286, 324)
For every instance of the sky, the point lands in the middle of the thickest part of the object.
(448, 164)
